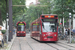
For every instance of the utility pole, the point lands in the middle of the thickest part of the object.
(7, 28)
(73, 21)
(10, 20)
(70, 25)
(62, 17)
(7, 21)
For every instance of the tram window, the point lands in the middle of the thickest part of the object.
(21, 28)
(49, 27)
(37, 28)
(34, 27)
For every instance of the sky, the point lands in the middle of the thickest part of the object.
(29, 1)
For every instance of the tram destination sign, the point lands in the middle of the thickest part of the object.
(50, 20)
(36, 24)
(20, 24)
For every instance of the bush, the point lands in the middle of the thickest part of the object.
(3, 31)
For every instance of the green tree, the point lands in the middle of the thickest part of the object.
(2, 11)
(18, 11)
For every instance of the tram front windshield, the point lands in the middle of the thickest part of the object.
(21, 28)
(49, 25)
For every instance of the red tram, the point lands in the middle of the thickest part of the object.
(45, 28)
(21, 27)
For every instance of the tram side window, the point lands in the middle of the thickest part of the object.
(35, 28)
(38, 28)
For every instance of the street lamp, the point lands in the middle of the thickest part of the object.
(70, 15)
(70, 25)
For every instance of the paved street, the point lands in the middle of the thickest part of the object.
(27, 43)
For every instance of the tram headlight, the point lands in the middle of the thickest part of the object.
(24, 32)
(43, 34)
(54, 34)
(17, 32)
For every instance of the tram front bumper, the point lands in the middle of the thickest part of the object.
(20, 34)
(49, 39)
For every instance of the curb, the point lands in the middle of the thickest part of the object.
(9, 46)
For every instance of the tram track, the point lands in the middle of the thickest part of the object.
(66, 46)
(58, 44)
(61, 45)
(26, 42)
(51, 46)
(29, 44)
(21, 42)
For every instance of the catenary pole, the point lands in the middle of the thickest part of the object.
(70, 25)
(10, 20)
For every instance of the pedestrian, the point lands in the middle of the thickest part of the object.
(73, 31)
(14, 30)
(68, 31)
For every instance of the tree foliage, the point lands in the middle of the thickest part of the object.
(2, 11)
(63, 8)
(16, 10)
(60, 7)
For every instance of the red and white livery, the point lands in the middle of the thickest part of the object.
(21, 27)
(45, 28)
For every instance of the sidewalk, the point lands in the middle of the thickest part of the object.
(8, 46)
(66, 43)
(67, 39)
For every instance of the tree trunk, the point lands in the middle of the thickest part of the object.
(0, 18)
